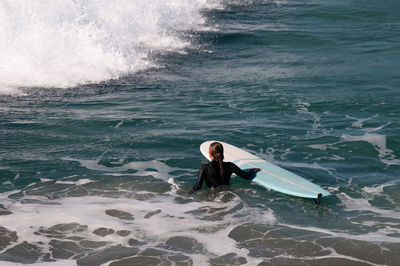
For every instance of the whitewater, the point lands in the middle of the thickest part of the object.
(66, 43)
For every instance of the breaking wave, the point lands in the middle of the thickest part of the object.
(67, 43)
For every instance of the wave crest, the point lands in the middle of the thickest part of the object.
(63, 43)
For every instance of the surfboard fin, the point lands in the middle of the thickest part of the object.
(318, 200)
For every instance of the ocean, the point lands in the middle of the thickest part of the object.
(104, 104)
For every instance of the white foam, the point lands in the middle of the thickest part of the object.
(324, 147)
(359, 122)
(385, 154)
(377, 189)
(362, 204)
(16, 177)
(381, 235)
(80, 182)
(333, 254)
(303, 107)
(6, 90)
(155, 168)
(63, 43)
(391, 161)
(208, 222)
(377, 140)
(172, 219)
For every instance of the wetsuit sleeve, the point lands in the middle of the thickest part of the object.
(250, 174)
(200, 180)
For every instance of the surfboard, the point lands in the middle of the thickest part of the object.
(271, 176)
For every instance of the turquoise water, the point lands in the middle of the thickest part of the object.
(101, 123)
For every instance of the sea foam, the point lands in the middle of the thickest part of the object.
(66, 43)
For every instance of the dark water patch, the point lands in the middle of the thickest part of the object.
(35, 201)
(123, 232)
(65, 249)
(150, 214)
(22, 253)
(358, 249)
(139, 260)
(184, 244)
(323, 261)
(7, 237)
(269, 241)
(92, 244)
(394, 193)
(106, 255)
(4, 211)
(393, 254)
(102, 231)
(228, 259)
(156, 256)
(134, 242)
(120, 214)
(62, 231)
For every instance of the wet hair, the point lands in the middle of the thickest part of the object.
(217, 151)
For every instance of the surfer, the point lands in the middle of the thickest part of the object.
(217, 172)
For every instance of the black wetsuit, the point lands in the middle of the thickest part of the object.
(210, 172)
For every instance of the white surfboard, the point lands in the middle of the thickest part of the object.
(271, 176)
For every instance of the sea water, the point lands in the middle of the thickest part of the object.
(103, 106)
